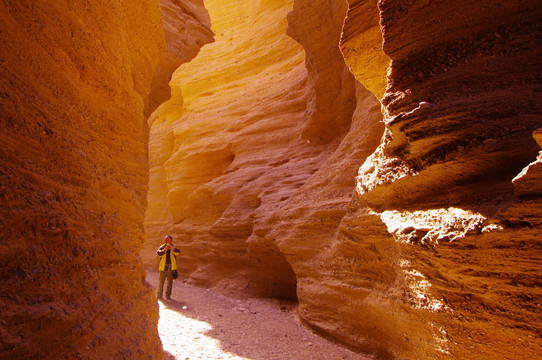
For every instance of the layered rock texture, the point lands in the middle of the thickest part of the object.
(379, 161)
(460, 115)
(407, 227)
(73, 178)
(251, 119)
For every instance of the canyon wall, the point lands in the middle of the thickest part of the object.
(246, 128)
(187, 28)
(454, 179)
(73, 178)
(407, 227)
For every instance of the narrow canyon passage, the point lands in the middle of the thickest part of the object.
(199, 323)
(376, 163)
(329, 152)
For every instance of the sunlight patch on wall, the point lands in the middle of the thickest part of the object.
(429, 227)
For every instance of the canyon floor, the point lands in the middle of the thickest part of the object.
(199, 323)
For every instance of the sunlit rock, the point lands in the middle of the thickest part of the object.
(250, 142)
(373, 159)
(187, 28)
(73, 178)
(256, 156)
(529, 181)
(361, 45)
(459, 114)
(216, 145)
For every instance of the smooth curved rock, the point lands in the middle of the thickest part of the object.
(187, 28)
(361, 45)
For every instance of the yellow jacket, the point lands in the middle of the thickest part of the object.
(172, 255)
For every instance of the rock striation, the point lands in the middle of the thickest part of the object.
(459, 115)
(245, 131)
(406, 227)
(74, 77)
(186, 26)
(210, 149)
(377, 160)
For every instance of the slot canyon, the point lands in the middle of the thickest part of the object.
(377, 161)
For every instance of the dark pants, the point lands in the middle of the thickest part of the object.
(161, 278)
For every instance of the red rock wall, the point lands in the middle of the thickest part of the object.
(448, 180)
(73, 178)
(248, 126)
(432, 250)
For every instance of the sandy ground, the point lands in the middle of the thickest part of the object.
(201, 324)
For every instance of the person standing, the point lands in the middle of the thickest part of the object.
(168, 264)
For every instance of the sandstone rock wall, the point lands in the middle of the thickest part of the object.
(212, 144)
(432, 251)
(73, 178)
(251, 120)
(459, 112)
(186, 26)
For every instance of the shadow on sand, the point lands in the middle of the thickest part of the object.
(203, 324)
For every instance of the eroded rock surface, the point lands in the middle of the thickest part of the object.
(253, 164)
(459, 112)
(73, 178)
(251, 121)
(186, 26)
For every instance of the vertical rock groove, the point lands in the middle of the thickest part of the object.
(186, 26)
(361, 45)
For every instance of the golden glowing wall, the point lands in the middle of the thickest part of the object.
(263, 167)
(242, 92)
(73, 178)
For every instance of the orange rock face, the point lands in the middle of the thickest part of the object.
(251, 120)
(377, 160)
(254, 160)
(211, 148)
(73, 177)
(187, 27)
(451, 179)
